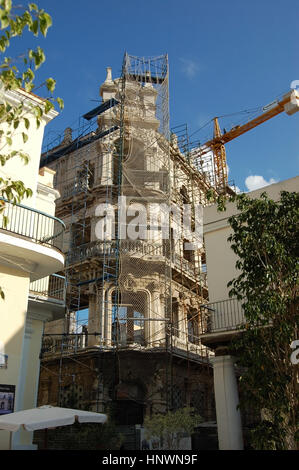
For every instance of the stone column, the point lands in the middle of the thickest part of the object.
(160, 325)
(26, 393)
(107, 312)
(107, 169)
(227, 399)
(153, 311)
(96, 317)
(183, 318)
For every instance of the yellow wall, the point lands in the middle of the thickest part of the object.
(15, 284)
(220, 257)
(34, 330)
(220, 263)
(15, 168)
(20, 333)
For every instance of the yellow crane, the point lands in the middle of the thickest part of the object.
(289, 104)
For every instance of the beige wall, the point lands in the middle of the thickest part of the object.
(29, 376)
(220, 257)
(20, 331)
(46, 194)
(15, 168)
(13, 310)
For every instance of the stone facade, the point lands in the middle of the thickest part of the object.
(144, 355)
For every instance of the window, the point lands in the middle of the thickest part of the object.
(175, 317)
(184, 194)
(128, 326)
(193, 327)
(188, 254)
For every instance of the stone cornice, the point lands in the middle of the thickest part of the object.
(15, 97)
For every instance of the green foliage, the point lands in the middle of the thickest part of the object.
(172, 426)
(272, 436)
(219, 199)
(265, 240)
(86, 436)
(14, 21)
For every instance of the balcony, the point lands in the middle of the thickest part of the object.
(101, 248)
(52, 287)
(148, 251)
(220, 321)
(31, 238)
(48, 294)
(68, 344)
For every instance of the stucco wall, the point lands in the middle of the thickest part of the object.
(220, 257)
(15, 284)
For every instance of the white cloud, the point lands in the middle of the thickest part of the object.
(190, 67)
(256, 182)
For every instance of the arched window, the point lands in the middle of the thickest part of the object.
(128, 314)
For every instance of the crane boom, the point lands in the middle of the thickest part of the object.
(289, 103)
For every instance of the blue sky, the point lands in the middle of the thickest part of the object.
(224, 57)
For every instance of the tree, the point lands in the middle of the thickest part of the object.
(171, 427)
(265, 239)
(14, 20)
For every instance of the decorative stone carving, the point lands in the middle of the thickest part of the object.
(174, 140)
(130, 283)
(153, 286)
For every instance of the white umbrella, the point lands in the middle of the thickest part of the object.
(48, 416)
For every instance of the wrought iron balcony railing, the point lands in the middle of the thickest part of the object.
(32, 224)
(52, 286)
(225, 315)
(100, 248)
(139, 248)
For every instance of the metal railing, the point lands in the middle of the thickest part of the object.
(140, 248)
(219, 316)
(63, 343)
(31, 223)
(52, 286)
(74, 188)
(100, 248)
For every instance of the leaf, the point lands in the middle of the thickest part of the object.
(25, 137)
(4, 22)
(2, 295)
(28, 75)
(33, 6)
(60, 103)
(50, 82)
(26, 122)
(34, 27)
(45, 21)
(7, 5)
(38, 111)
(48, 106)
(29, 86)
(38, 56)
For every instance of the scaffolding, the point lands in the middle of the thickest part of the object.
(143, 293)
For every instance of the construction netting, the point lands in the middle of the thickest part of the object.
(132, 265)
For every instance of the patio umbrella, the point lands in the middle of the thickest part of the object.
(47, 416)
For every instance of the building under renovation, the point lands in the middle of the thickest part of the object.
(130, 338)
